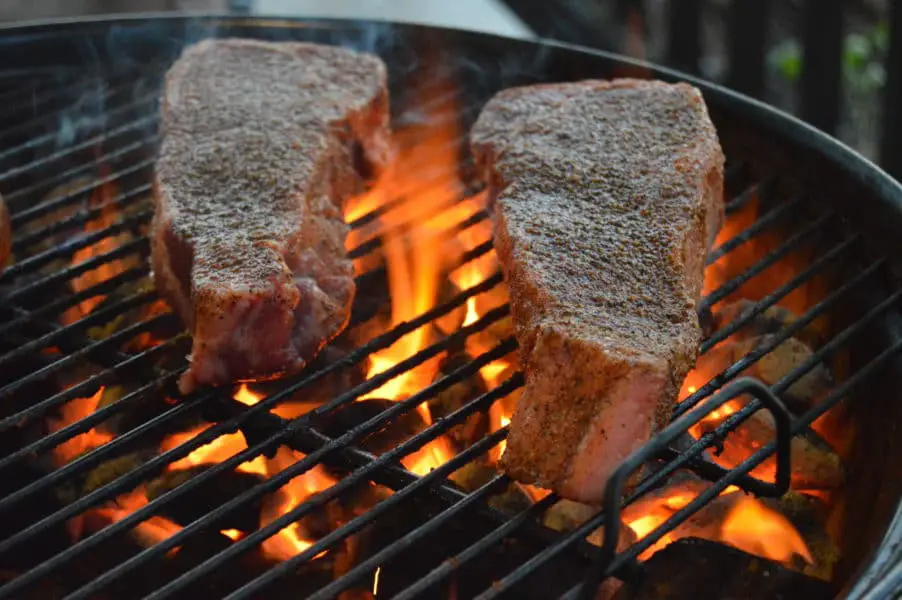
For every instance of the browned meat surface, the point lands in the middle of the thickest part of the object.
(606, 196)
(258, 154)
(5, 235)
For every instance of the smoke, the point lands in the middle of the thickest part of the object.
(124, 66)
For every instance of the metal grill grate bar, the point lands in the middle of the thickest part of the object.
(770, 218)
(147, 122)
(792, 243)
(55, 115)
(146, 143)
(685, 458)
(45, 208)
(805, 275)
(126, 482)
(798, 426)
(119, 202)
(69, 248)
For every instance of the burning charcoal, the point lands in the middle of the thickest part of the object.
(511, 500)
(771, 321)
(387, 437)
(133, 316)
(790, 529)
(208, 497)
(451, 399)
(773, 367)
(809, 515)
(718, 571)
(110, 470)
(567, 515)
(140, 411)
(815, 466)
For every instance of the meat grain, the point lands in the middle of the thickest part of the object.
(606, 197)
(261, 145)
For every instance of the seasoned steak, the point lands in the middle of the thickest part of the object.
(6, 236)
(606, 198)
(261, 145)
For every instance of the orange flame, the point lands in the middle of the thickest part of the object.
(425, 174)
(289, 541)
(749, 525)
(71, 412)
(759, 530)
(152, 531)
(102, 196)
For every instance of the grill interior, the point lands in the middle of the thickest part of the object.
(76, 160)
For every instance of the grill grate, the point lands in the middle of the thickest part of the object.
(35, 292)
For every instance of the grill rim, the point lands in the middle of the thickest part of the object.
(788, 129)
(779, 122)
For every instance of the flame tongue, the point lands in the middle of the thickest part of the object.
(759, 530)
(732, 518)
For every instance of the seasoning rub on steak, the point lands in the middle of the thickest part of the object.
(606, 197)
(6, 235)
(260, 147)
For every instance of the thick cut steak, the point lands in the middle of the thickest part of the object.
(606, 198)
(261, 145)
(6, 235)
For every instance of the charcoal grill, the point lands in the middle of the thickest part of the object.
(80, 101)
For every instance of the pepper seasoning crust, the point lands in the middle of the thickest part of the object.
(257, 157)
(606, 197)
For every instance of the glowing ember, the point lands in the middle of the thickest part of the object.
(232, 534)
(376, 581)
(102, 196)
(289, 541)
(245, 396)
(152, 531)
(431, 456)
(759, 530)
(71, 412)
(748, 524)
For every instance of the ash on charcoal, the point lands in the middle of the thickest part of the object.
(511, 500)
(774, 366)
(805, 514)
(453, 398)
(142, 410)
(104, 473)
(718, 571)
(771, 321)
(809, 515)
(208, 497)
(567, 515)
(815, 466)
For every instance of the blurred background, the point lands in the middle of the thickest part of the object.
(830, 62)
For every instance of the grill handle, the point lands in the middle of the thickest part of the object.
(617, 482)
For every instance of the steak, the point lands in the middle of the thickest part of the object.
(606, 196)
(262, 143)
(6, 236)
